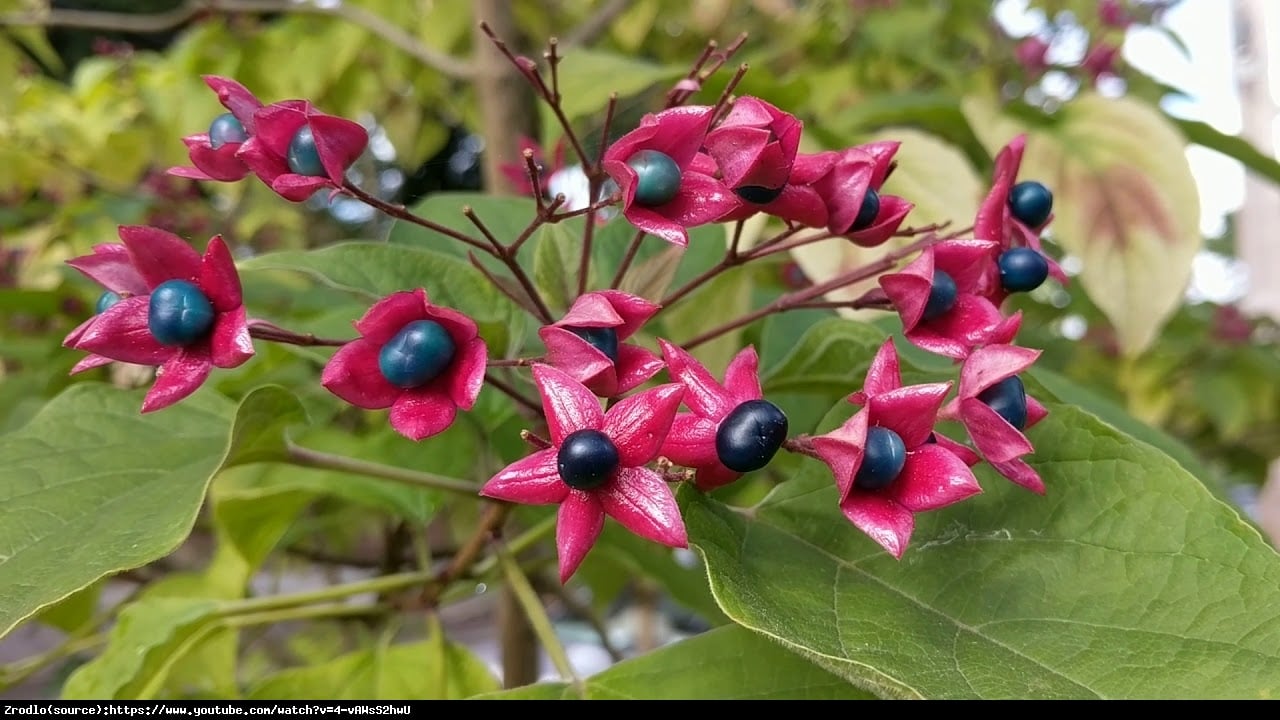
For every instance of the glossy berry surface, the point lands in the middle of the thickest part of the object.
(1022, 269)
(748, 437)
(303, 157)
(942, 296)
(1031, 203)
(106, 301)
(179, 313)
(1009, 399)
(587, 459)
(417, 354)
(226, 129)
(868, 213)
(603, 339)
(758, 194)
(657, 177)
(882, 459)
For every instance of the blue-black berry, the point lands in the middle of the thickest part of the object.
(758, 194)
(868, 212)
(1009, 399)
(748, 437)
(942, 296)
(106, 301)
(587, 459)
(1031, 203)
(1022, 269)
(657, 177)
(601, 338)
(303, 157)
(417, 354)
(226, 129)
(882, 459)
(179, 313)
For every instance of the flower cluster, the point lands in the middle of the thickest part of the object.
(290, 145)
(612, 447)
(680, 169)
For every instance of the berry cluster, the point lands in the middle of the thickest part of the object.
(682, 167)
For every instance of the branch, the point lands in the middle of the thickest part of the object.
(589, 30)
(160, 22)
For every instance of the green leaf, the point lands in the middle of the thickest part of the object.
(555, 266)
(376, 270)
(1233, 146)
(728, 663)
(588, 77)
(90, 487)
(259, 432)
(432, 670)
(833, 353)
(1125, 202)
(148, 637)
(1127, 580)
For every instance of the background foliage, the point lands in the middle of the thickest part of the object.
(1156, 402)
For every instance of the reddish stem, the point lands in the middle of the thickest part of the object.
(263, 330)
(400, 212)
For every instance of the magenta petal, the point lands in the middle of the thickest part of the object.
(578, 524)
(995, 438)
(654, 223)
(460, 327)
(218, 277)
(893, 210)
(1035, 411)
(738, 151)
(710, 477)
(1021, 473)
(968, 262)
(909, 411)
(882, 519)
(635, 366)
(159, 255)
(121, 333)
(968, 324)
(583, 361)
(637, 425)
(884, 374)
(353, 375)
(703, 394)
(230, 344)
(189, 173)
(339, 142)
(640, 500)
(222, 164)
(702, 199)
(297, 188)
(568, 404)
(422, 412)
(680, 132)
(909, 289)
(634, 311)
(842, 448)
(265, 164)
(933, 478)
(691, 442)
(74, 336)
(533, 480)
(89, 362)
(742, 377)
(236, 98)
(466, 376)
(592, 310)
(180, 376)
(111, 267)
(994, 211)
(389, 315)
(960, 450)
(991, 364)
(277, 123)
(800, 204)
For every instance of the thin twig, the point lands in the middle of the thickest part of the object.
(263, 330)
(400, 212)
(162, 21)
(306, 457)
(490, 526)
(537, 615)
(627, 259)
(511, 392)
